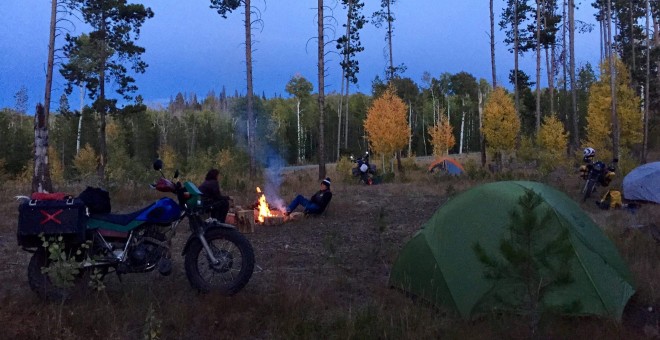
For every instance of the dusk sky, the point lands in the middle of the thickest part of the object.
(192, 49)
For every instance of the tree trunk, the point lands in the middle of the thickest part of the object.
(424, 133)
(82, 106)
(614, 117)
(571, 36)
(301, 154)
(51, 59)
(250, 90)
(551, 79)
(321, 99)
(410, 122)
(102, 110)
(538, 66)
(569, 123)
(645, 139)
(515, 52)
(389, 40)
(103, 150)
(348, 98)
(339, 109)
(632, 43)
(460, 144)
(482, 140)
(492, 44)
(345, 79)
(41, 178)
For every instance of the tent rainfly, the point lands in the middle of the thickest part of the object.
(439, 263)
(643, 183)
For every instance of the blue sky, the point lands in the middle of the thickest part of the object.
(192, 49)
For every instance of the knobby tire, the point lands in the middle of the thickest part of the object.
(235, 270)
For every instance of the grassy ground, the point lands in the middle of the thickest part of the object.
(316, 277)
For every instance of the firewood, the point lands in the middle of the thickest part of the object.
(245, 221)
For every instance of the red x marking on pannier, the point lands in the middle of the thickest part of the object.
(51, 217)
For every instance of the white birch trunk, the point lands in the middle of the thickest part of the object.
(460, 148)
(409, 123)
(300, 137)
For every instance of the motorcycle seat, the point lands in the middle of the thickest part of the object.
(120, 219)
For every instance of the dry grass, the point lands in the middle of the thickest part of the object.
(315, 278)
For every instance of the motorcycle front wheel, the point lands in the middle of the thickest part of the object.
(588, 189)
(235, 264)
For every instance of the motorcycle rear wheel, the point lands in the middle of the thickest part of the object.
(235, 267)
(41, 283)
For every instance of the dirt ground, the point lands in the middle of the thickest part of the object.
(339, 262)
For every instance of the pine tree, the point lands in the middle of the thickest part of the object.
(532, 262)
(100, 57)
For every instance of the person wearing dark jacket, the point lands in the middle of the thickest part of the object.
(212, 196)
(317, 203)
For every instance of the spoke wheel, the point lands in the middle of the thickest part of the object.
(588, 189)
(234, 266)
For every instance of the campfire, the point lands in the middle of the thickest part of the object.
(263, 212)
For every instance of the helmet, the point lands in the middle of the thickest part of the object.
(589, 152)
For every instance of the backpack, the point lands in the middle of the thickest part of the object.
(97, 200)
(611, 199)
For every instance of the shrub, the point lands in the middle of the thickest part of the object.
(409, 163)
(234, 167)
(344, 166)
(85, 162)
(474, 170)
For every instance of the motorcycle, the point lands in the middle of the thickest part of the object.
(596, 173)
(363, 169)
(217, 256)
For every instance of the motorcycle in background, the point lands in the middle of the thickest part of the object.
(363, 169)
(596, 173)
(217, 256)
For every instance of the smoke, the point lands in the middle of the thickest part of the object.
(273, 166)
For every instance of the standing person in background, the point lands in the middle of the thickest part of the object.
(213, 198)
(316, 204)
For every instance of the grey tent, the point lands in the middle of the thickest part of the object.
(643, 183)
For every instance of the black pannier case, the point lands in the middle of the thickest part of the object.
(51, 217)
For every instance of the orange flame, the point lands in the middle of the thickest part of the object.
(263, 207)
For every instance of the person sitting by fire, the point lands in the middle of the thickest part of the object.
(218, 203)
(316, 204)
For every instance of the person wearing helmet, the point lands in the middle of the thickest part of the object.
(588, 155)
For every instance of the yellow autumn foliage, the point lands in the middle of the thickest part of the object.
(442, 136)
(55, 166)
(86, 161)
(599, 115)
(552, 141)
(501, 125)
(386, 124)
(170, 159)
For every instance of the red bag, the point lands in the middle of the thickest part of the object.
(45, 196)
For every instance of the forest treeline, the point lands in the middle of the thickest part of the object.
(311, 126)
(195, 133)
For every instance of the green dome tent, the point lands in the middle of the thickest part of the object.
(440, 264)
